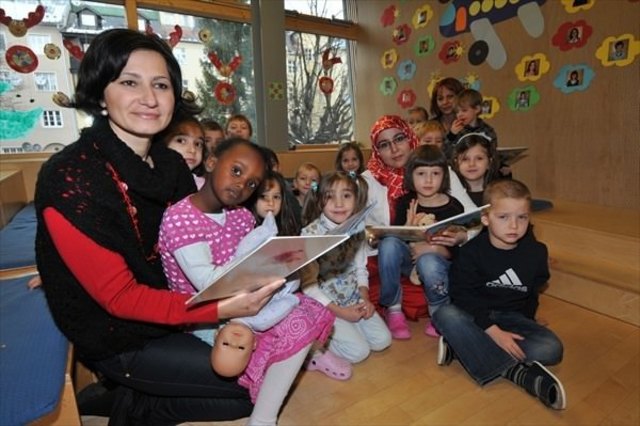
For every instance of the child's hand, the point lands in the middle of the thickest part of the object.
(507, 341)
(367, 307)
(411, 213)
(34, 282)
(456, 126)
(247, 304)
(352, 313)
(449, 237)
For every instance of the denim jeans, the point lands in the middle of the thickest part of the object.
(433, 270)
(394, 260)
(483, 359)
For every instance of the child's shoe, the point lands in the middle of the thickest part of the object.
(445, 353)
(430, 330)
(539, 382)
(397, 325)
(331, 365)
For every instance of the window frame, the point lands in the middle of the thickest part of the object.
(55, 116)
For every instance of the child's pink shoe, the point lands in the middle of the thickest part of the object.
(331, 365)
(430, 330)
(397, 325)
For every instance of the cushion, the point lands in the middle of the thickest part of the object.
(17, 240)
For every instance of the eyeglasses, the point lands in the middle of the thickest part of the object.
(397, 140)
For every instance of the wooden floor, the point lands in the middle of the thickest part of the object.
(404, 386)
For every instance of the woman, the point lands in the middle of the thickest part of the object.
(443, 101)
(99, 204)
(392, 143)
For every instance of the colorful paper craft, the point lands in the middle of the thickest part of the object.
(574, 6)
(406, 69)
(619, 51)
(388, 86)
(422, 16)
(532, 67)
(572, 35)
(574, 78)
(424, 46)
(389, 58)
(523, 98)
(489, 107)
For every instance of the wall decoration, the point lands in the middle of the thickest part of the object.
(573, 78)
(451, 52)
(389, 58)
(326, 82)
(73, 49)
(326, 85)
(388, 86)
(174, 37)
(471, 81)
(406, 98)
(434, 78)
(327, 62)
(572, 35)
(226, 70)
(478, 52)
(478, 17)
(21, 59)
(573, 6)
(61, 99)
(406, 69)
(19, 27)
(424, 46)
(422, 16)
(225, 93)
(619, 51)
(401, 34)
(204, 35)
(17, 124)
(52, 51)
(389, 16)
(532, 67)
(276, 90)
(523, 98)
(489, 107)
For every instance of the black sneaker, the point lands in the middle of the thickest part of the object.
(445, 354)
(541, 383)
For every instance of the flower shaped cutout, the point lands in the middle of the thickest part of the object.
(523, 98)
(52, 51)
(471, 81)
(572, 35)
(406, 98)
(422, 16)
(389, 16)
(401, 34)
(489, 107)
(424, 46)
(574, 78)
(531, 68)
(389, 59)
(619, 51)
(388, 86)
(573, 6)
(406, 69)
(451, 52)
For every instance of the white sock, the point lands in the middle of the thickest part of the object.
(275, 387)
(395, 308)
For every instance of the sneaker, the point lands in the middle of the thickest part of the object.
(445, 354)
(397, 325)
(539, 382)
(430, 330)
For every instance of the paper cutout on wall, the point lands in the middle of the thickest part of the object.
(573, 6)
(17, 124)
(406, 69)
(471, 81)
(478, 52)
(276, 90)
(388, 86)
(389, 16)
(73, 49)
(424, 46)
(204, 35)
(406, 98)
(572, 35)
(434, 78)
(389, 58)
(523, 98)
(401, 34)
(19, 27)
(478, 17)
(52, 51)
(489, 107)
(225, 93)
(451, 52)
(21, 59)
(573, 78)
(531, 68)
(422, 16)
(619, 51)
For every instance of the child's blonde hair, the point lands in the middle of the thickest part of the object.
(425, 127)
(506, 188)
(318, 195)
(310, 167)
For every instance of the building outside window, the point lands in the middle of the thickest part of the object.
(51, 118)
(45, 81)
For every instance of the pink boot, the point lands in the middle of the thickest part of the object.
(397, 325)
(430, 330)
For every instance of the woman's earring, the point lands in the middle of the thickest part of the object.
(103, 111)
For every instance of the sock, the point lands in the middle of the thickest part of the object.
(275, 388)
(395, 308)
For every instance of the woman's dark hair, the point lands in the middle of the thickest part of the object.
(273, 157)
(427, 156)
(108, 54)
(287, 221)
(350, 146)
(467, 142)
(450, 83)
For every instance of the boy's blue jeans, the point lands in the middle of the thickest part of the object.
(483, 359)
(394, 260)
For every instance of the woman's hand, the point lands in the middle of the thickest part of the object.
(247, 304)
(507, 341)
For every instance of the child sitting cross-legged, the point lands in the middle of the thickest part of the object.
(494, 284)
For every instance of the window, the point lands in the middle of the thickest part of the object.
(325, 9)
(51, 118)
(3, 42)
(291, 65)
(45, 81)
(185, 84)
(37, 41)
(88, 19)
(181, 55)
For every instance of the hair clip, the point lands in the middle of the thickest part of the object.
(314, 186)
(481, 134)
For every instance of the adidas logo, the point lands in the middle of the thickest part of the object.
(509, 280)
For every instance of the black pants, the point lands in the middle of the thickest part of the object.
(171, 381)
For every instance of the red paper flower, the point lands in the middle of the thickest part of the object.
(225, 93)
(449, 52)
(326, 85)
(406, 98)
(401, 34)
(572, 35)
(388, 16)
(74, 49)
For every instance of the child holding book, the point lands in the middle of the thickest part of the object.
(201, 233)
(427, 180)
(350, 158)
(495, 281)
(475, 160)
(342, 280)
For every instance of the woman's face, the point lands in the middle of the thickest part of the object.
(393, 147)
(140, 101)
(446, 100)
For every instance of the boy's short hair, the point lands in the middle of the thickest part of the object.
(506, 188)
(470, 97)
(425, 127)
(421, 110)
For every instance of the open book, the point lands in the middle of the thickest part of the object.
(510, 155)
(465, 220)
(276, 258)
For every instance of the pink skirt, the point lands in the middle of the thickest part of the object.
(308, 322)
